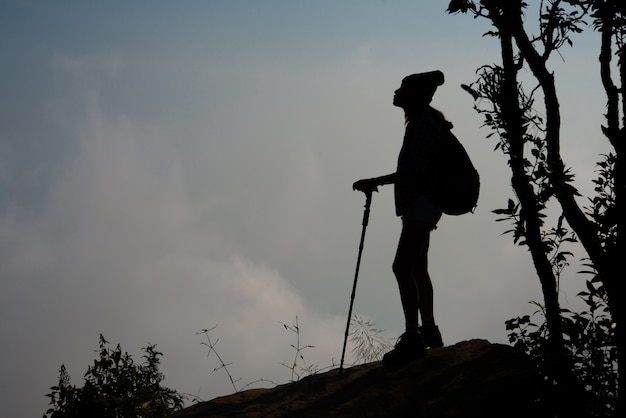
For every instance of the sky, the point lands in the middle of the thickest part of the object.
(168, 167)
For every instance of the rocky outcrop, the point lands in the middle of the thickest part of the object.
(469, 379)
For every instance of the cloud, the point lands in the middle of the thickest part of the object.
(121, 246)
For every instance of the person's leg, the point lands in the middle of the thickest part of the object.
(413, 242)
(411, 344)
(430, 331)
(424, 286)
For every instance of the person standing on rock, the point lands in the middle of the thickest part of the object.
(415, 187)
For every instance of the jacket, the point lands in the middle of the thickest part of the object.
(419, 161)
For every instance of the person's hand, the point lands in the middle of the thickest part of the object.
(365, 185)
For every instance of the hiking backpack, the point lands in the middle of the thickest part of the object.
(460, 183)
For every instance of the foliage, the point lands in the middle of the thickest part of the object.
(369, 344)
(603, 209)
(298, 366)
(589, 337)
(298, 370)
(210, 344)
(590, 334)
(115, 386)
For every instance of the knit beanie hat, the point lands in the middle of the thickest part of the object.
(424, 84)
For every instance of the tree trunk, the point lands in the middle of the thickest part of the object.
(529, 212)
(613, 271)
(507, 20)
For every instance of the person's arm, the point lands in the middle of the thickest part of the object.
(365, 185)
(388, 179)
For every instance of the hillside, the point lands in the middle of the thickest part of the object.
(469, 379)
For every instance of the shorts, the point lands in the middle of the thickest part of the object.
(424, 210)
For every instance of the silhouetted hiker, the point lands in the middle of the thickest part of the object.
(415, 183)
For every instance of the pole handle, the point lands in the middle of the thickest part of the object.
(368, 203)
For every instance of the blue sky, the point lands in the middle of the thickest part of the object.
(170, 166)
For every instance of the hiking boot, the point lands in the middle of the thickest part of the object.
(410, 346)
(432, 336)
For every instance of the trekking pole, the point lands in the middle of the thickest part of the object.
(366, 216)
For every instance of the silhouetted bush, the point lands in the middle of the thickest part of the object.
(589, 341)
(115, 386)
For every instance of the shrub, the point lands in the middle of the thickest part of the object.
(115, 386)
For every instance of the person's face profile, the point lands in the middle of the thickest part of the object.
(400, 96)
